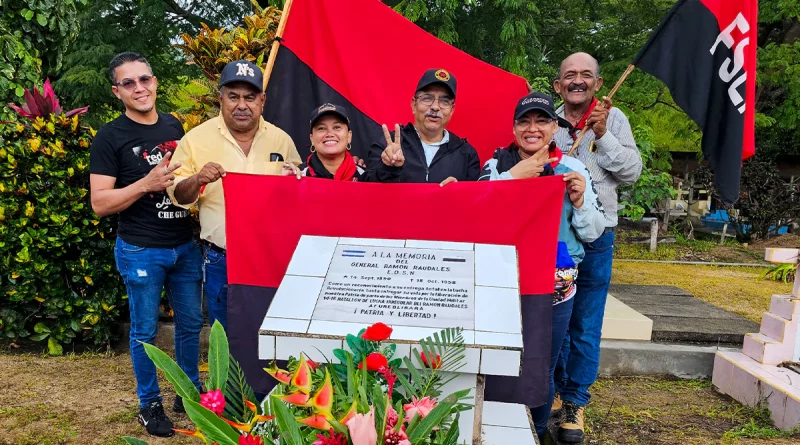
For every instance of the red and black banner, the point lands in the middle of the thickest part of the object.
(705, 51)
(263, 230)
(365, 56)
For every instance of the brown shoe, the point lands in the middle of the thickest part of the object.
(571, 429)
(555, 409)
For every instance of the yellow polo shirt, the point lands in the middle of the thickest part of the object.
(212, 142)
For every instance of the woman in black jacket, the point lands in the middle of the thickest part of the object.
(330, 150)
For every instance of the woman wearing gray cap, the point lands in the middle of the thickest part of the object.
(534, 153)
(330, 150)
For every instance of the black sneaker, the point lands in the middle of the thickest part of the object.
(155, 421)
(177, 407)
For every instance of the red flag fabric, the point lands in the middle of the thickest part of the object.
(266, 215)
(365, 56)
(705, 51)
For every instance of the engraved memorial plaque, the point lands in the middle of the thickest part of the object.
(403, 286)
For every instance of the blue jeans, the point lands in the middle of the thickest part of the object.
(215, 283)
(561, 316)
(580, 355)
(147, 271)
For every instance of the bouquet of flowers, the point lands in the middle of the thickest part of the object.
(369, 398)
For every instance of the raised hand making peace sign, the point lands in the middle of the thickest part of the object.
(393, 154)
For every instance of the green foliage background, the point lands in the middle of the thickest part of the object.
(57, 277)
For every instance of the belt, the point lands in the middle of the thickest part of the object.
(610, 230)
(214, 247)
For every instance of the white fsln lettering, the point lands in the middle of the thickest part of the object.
(726, 72)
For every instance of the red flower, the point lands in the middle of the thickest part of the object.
(332, 439)
(377, 332)
(312, 364)
(214, 401)
(375, 362)
(250, 440)
(386, 372)
(434, 363)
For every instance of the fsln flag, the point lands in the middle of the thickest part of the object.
(263, 230)
(705, 51)
(367, 57)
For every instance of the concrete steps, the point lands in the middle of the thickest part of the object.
(752, 376)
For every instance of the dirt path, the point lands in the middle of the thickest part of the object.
(90, 399)
(84, 399)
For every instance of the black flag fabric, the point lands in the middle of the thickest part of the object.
(705, 51)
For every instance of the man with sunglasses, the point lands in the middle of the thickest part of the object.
(610, 154)
(130, 169)
(432, 154)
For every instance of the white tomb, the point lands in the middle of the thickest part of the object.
(338, 286)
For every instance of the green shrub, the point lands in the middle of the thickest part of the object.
(57, 276)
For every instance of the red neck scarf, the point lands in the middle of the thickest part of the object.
(582, 123)
(346, 171)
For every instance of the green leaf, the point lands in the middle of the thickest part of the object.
(211, 425)
(133, 441)
(53, 347)
(218, 357)
(436, 416)
(357, 346)
(27, 13)
(40, 328)
(175, 375)
(452, 433)
(288, 426)
(39, 337)
(236, 390)
(41, 19)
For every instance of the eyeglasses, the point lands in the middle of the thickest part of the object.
(428, 100)
(525, 123)
(130, 84)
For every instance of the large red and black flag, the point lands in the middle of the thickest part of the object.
(365, 56)
(705, 51)
(263, 230)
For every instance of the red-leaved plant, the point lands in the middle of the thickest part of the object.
(43, 104)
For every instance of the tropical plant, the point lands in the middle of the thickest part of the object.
(653, 186)
(357, 401)
(781, 272)
(212, 49)
(34, 35)
(57, 276)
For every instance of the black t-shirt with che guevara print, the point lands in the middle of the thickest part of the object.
(128, 151)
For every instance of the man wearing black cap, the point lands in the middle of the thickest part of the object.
(432, 154)
(240, 141)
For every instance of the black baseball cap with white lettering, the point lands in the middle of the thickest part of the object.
(535, 101)
(437, 75)
(242, 71)
(329, 108)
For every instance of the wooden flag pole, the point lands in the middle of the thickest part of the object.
(273, 52)
(610, 95)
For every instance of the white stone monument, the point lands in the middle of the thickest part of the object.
(338, 286)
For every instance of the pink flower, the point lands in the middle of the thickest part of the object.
(362, 428)
(214, 401)
(391, 417)
(404, 442)
(422, 406)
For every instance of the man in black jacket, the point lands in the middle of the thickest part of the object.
(432, 154)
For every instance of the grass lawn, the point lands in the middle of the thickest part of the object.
(737, 289)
